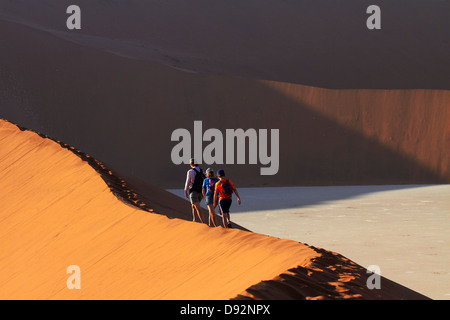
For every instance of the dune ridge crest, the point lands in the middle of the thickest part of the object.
(60, 212)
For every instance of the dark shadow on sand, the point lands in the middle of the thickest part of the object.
(331, 276)
(123, 112)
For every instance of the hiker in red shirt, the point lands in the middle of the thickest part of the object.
(223, 196)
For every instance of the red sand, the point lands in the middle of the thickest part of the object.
(90, 94)
(58, 211)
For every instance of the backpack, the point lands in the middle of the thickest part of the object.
(198, 181)
(227, 190)
(212, 185)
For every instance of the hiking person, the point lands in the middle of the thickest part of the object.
(208, 188)
(193, 188)
(223, 196)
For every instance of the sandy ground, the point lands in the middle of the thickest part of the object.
(402, 229)
(59, 212)
(65, 209)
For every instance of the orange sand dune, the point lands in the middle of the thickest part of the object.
(57, 211)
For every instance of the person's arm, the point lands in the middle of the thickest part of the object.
(188, 183)
(237, 195)
(204, 188)
(215, 194)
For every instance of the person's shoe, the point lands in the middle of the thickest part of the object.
(229, 225)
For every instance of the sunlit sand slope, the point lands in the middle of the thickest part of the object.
(57, 211)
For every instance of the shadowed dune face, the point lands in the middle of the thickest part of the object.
(120, 110)
(59, 212)
(322, 43)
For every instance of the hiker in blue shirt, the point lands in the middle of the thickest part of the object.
(208, 193)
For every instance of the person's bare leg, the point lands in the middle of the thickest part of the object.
(211, 215)
(226, 219)
(196, 207)
(193, 212)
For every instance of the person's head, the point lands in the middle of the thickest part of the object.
(192, 163)
(220, 173)
(209, 173)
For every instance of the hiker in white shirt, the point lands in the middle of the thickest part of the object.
(193, 188)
